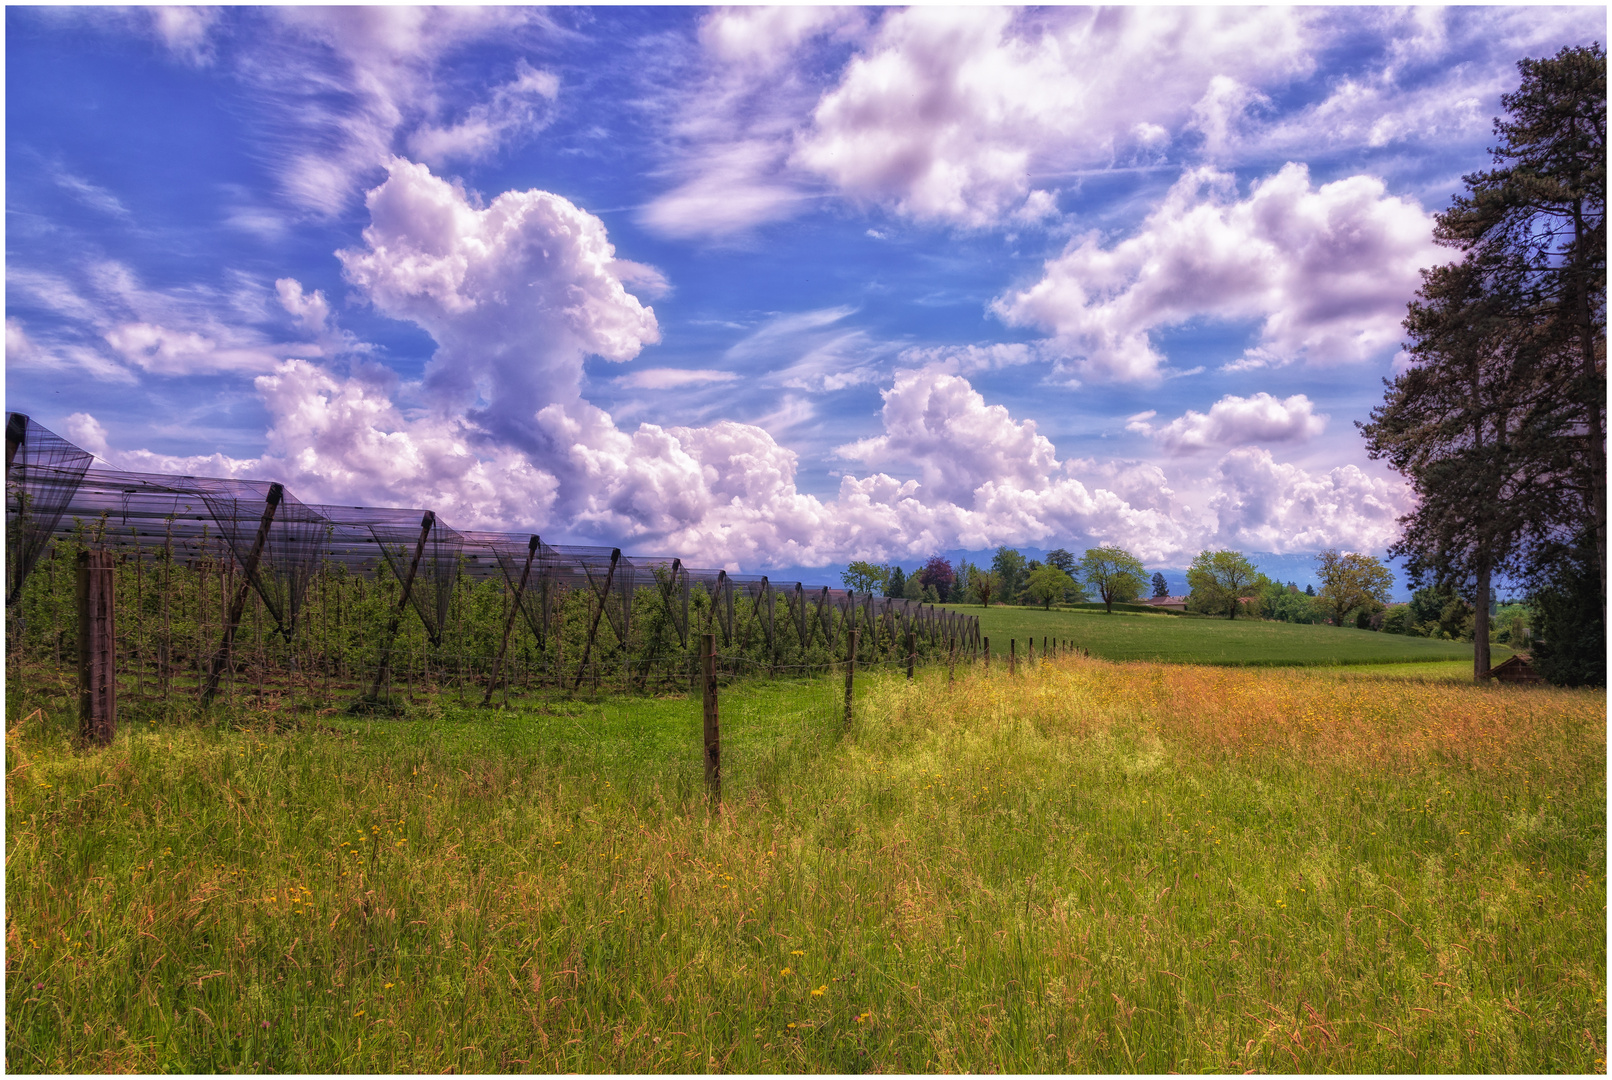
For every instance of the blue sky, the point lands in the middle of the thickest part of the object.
(759, 287)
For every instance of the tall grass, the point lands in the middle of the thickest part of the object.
(1088, 867)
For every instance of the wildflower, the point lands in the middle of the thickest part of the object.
(797, 952)
(357, 1014)
(820, 991)
(785, 971)
(389, 986)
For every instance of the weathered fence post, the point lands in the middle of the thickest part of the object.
(1013, 657)
(986, 650)
(97, 648)
(912, 652)
(509, 624)
(713, 725)
(384, 671)
(850, 674)
(237, 607)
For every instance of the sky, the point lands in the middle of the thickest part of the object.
(764, 288)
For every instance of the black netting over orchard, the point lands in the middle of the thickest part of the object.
(225, 582)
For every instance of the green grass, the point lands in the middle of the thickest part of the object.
(1086, 868)
(1243, 642)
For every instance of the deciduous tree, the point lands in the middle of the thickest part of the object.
(1219, 580)
(1046, 584)
(865, 577)
(1114, 574)
(1351, 582)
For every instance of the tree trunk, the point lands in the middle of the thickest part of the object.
(1480, 621)
(1592, 403)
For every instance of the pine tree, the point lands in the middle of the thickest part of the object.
(1160, 586)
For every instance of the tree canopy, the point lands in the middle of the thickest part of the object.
(1352, 582)
(1499, 423)
(1219, 580)
(865, 577)
(1114, 573)
(1046, 584)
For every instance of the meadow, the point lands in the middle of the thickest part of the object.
(1086, 867)
(1190, 640)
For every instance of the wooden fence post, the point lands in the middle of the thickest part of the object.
(986, 649)
(383, 673)
(1013, 657)
(850, 674)
(713, 724)
(237, 607)
(912, 652)
(509, 624)
(97, 648)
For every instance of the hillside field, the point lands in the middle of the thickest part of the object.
(1085, 867)
(1174, 639)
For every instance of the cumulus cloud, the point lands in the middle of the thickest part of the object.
(1265, 505)
(84, 431)
(1235, 421)
(515, 294)
(941, 424)
(1326, 271)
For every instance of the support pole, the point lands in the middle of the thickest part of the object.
(237, 607)
(509, 623)
(97, 648)
(16, 429)
(912, 652)
(987, 652)
(713, 723)
(1013, 658)
(383, 673)
(850, 674)
(593, 628)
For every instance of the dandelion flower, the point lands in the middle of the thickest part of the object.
(820, 991)
(785, 971)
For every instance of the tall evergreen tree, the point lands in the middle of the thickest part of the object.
(1160, 586)
(1500, 423)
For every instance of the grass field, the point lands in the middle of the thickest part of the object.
(1089, 867)
(1244, 642)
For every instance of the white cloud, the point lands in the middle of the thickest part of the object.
(941, 425)
(518, 107)
(351, 85)
(946, 114)
(1325, 271)
(972, 359)
(516, 294)
(672, 378)
(311, 311)
(185, 31)
(86, 432)
(1264, 505)
(1235, 421)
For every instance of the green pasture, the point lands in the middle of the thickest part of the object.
(1085, 867)
(1244, 642)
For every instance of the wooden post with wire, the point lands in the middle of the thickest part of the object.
(912, 652)
(237, 607)
(383, 673)
(509, 624)
(97, 648)
(850, 673)
(713, 724)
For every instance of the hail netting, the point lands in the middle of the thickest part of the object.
(43, 470)
(420, 550)
(289, 551)
(592, 612)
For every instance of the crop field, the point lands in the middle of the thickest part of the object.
(1246, 642)
(1085, 867)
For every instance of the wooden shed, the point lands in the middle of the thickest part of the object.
(1515, 670)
